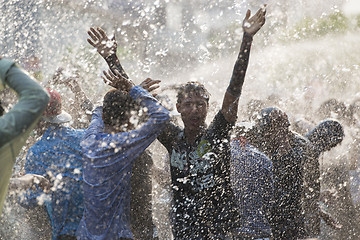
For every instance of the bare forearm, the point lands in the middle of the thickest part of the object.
(231, 99)
(114, 63)
(241, 64)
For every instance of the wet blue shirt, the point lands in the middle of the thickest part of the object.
(107, 170)
(58, 157)
(252, 180)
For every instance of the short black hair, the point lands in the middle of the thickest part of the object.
(265, 121)
(192, 87)
(117, 107)
(329, 133)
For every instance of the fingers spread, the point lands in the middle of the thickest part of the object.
(248, 13)
(91, 34)
(91, 42)
(96, 33)
(153, 88)
(107, 75)
(102, 32)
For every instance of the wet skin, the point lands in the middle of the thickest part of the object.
(193, 109)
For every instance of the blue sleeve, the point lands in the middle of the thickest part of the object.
(96, 125)
(33, 165)
(139, 138)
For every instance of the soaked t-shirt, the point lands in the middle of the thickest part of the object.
(203, 201)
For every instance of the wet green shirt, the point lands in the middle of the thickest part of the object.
(16, 125)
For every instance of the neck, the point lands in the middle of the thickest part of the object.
(112, 130)
(117, 129)
(191, 135)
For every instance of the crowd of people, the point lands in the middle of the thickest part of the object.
(258, 178)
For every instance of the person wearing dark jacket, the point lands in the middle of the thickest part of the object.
(323, 137)
(288, 151)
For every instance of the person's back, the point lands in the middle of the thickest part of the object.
(110, 148)
(58, 157)
(323, 137)
(252, 180)
(288, 189)
(16, 125)
(142, 225)
(288, 152)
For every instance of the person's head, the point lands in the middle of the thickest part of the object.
(53, 112)
(118, 109)
(326, 135)
(272, 124)
(192, 104)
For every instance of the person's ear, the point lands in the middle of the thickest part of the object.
(178, 107)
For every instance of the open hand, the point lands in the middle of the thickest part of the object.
(150, 85)
(99, 40)
(117, 81)
(30, 180)
(252, 25)
(71, 80)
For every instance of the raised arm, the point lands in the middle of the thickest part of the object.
(82, 105)
(231, 99)
(16, 125)
(32, 102)
(106, 48)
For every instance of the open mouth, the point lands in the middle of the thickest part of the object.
(196, 121)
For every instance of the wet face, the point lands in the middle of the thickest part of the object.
(193, 109)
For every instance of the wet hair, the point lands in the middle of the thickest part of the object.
(117, 108)
(192, 87)
(2, 110)
(265, 121)
(327, 134)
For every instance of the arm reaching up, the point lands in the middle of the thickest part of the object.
(231, 99)
(106, 48)
(118, 81)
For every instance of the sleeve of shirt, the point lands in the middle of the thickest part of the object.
(96, 125)
(30, 106)
(169, 135)
(136, 140)
(219, 128)
(33, 165)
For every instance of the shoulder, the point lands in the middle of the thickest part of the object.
(259, 156)
(299, 138)
(300, 141)
(219, 127)
(250, 152)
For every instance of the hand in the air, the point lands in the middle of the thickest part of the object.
(252, 25)
(150, 85)
(99, 40)
(117, 81)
